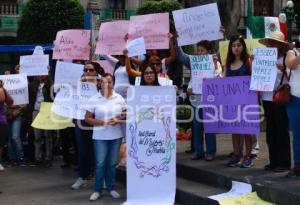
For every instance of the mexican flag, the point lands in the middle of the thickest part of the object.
(262, 26)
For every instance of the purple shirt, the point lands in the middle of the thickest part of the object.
(2, 114)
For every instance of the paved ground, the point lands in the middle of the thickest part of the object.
(42, 186)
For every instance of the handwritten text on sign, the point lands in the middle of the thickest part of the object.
(17, 87)
(72, 44)
(202, 66)
(71, 102)
(197, 23)
(34, 65)
(153, 27)
(111, 38)
(264, 69)
(230, 107)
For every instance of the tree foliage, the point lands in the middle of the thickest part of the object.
(41, 19)
(297, 10)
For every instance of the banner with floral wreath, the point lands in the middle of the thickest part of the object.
(151, 145)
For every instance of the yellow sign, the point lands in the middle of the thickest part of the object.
(47, 120)
(251, 44)
(247, 199)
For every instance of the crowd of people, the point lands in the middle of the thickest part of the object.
(97, 151)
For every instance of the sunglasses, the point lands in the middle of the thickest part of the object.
(155, 64)
(88, 70)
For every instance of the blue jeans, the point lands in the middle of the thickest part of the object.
(84, 145)
(293, 110)
(106, 156)
(15, 149)
(198, 132)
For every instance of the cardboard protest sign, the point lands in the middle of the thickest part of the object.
(247, 199)
(72, 102)
(67, 75)
(264, 69)
(202, 67)
(72, 44)
(34, 65)
(136, 47)
(197, 23)
(153, 27)
(17, 87)
(47, 120)
(230, 107)
(111, 38)
(151, 150)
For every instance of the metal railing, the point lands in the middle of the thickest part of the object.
(115, 14)
(9, 9)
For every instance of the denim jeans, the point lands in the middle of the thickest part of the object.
(106, 155)
(293, 110)
(198, 132)
(15, 148)
(84, 145)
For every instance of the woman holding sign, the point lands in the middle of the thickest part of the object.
(106, 116)
(238, 64)
(5, 98)
(277, 122)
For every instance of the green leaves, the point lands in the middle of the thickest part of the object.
(41, 19)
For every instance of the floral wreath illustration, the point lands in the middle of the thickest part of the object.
(156, 170)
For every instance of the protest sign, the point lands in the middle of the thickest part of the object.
(197, 23)
(237, 189)
(250, 43)
(111, 38)
(72, 44)
(17, 87)
(247, 199)
(71, 102)
(264, 69)
(153, 27)
(151, 150)
(230, 107)
(136, 47)
(47, 120)
(67, 75)
(34, 65)
(202, 67)
(107, 66)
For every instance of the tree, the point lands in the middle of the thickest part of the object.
(41, 19)
(230, 12)
(297, 10)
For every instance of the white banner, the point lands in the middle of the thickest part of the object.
(264, 69)
(67, 75)
(202, 67)
(71, 102)
(17, 87)
(197, 23)
(151, 150)
(136, 47)
(34, 65)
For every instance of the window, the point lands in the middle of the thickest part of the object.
(117, 4)
(263, 8)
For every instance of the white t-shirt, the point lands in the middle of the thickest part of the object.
(106, 109)
(121, 81)
(295, 79)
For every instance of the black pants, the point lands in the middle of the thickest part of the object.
(278, 138)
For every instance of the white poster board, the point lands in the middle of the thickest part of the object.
(202, 67)
(136, 47)
(264, 69)
(17, 87)
(34, 65)
(67, 75)
(151, 150)
(71, 102)
(197, 23)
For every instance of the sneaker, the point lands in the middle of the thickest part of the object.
(114, 194)
(95, 196)
(247, 162)
(234, 161)
(209, 157)
(1, 168)
(295, 172)
(48, 163)
(22, 163)
(79, 183)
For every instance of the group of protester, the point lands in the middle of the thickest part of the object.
(98, 149)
